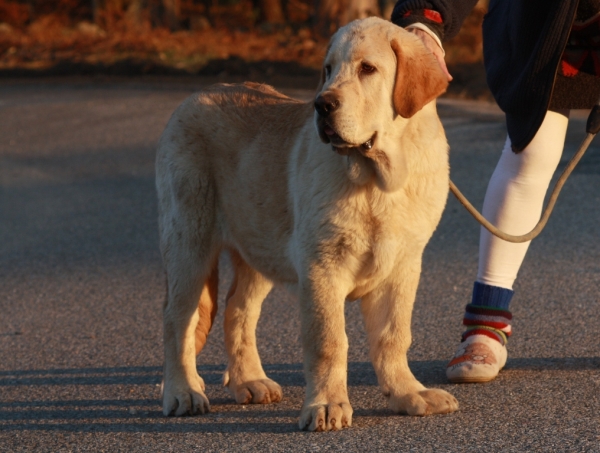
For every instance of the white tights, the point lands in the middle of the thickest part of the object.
(514, 199)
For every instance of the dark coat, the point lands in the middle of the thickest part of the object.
(523, 41)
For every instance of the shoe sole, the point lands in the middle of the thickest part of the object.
(471, 380)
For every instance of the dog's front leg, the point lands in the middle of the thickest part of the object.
(387, 312)
(325, 348)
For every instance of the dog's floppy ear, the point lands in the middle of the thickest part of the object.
(419, 78)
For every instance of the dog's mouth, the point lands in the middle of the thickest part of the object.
(340, 145)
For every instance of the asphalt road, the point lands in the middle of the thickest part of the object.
(81, 289)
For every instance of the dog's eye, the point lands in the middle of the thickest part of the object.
(366, 68)
(327, 71)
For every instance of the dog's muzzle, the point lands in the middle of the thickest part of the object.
(325, 104)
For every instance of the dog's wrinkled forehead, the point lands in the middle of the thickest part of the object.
(360, 38)
(343, 42)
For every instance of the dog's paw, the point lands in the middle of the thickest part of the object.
(179, 400)
(261, 391)
(326, 417)
(424, 402)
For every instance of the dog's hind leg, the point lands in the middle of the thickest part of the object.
(186, 319)
(190, 244)
(245, 378)
(207, 308)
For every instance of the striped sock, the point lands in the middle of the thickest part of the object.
(488, 313)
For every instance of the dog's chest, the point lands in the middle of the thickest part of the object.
(394, 233)
(375, 264)
(371, 247)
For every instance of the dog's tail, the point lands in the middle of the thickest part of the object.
(207, 307)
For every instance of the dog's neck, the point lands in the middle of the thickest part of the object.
(384, 165)
(394, 155)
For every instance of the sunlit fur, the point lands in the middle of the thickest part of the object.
(242, 168)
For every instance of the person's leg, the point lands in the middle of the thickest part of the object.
(513, 202)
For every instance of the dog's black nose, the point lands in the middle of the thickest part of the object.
(325, 104)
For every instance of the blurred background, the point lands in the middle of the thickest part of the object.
(227, 39)
(86, 88)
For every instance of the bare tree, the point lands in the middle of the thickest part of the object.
(172, 10)
(135, 11)
(332, 14)
(272, 11)
(95, 11)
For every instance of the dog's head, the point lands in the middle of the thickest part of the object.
(374, 71)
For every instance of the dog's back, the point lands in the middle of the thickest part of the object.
(236, 138)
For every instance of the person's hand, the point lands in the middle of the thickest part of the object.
(434, 48)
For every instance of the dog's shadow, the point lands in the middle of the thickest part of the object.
(144, 415)
(115, 415)
(428, 372)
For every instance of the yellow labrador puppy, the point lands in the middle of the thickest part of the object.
(335, 199)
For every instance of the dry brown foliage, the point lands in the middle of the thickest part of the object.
(48, 40)
(43, 42)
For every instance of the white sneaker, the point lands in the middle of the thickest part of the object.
(478, 359)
